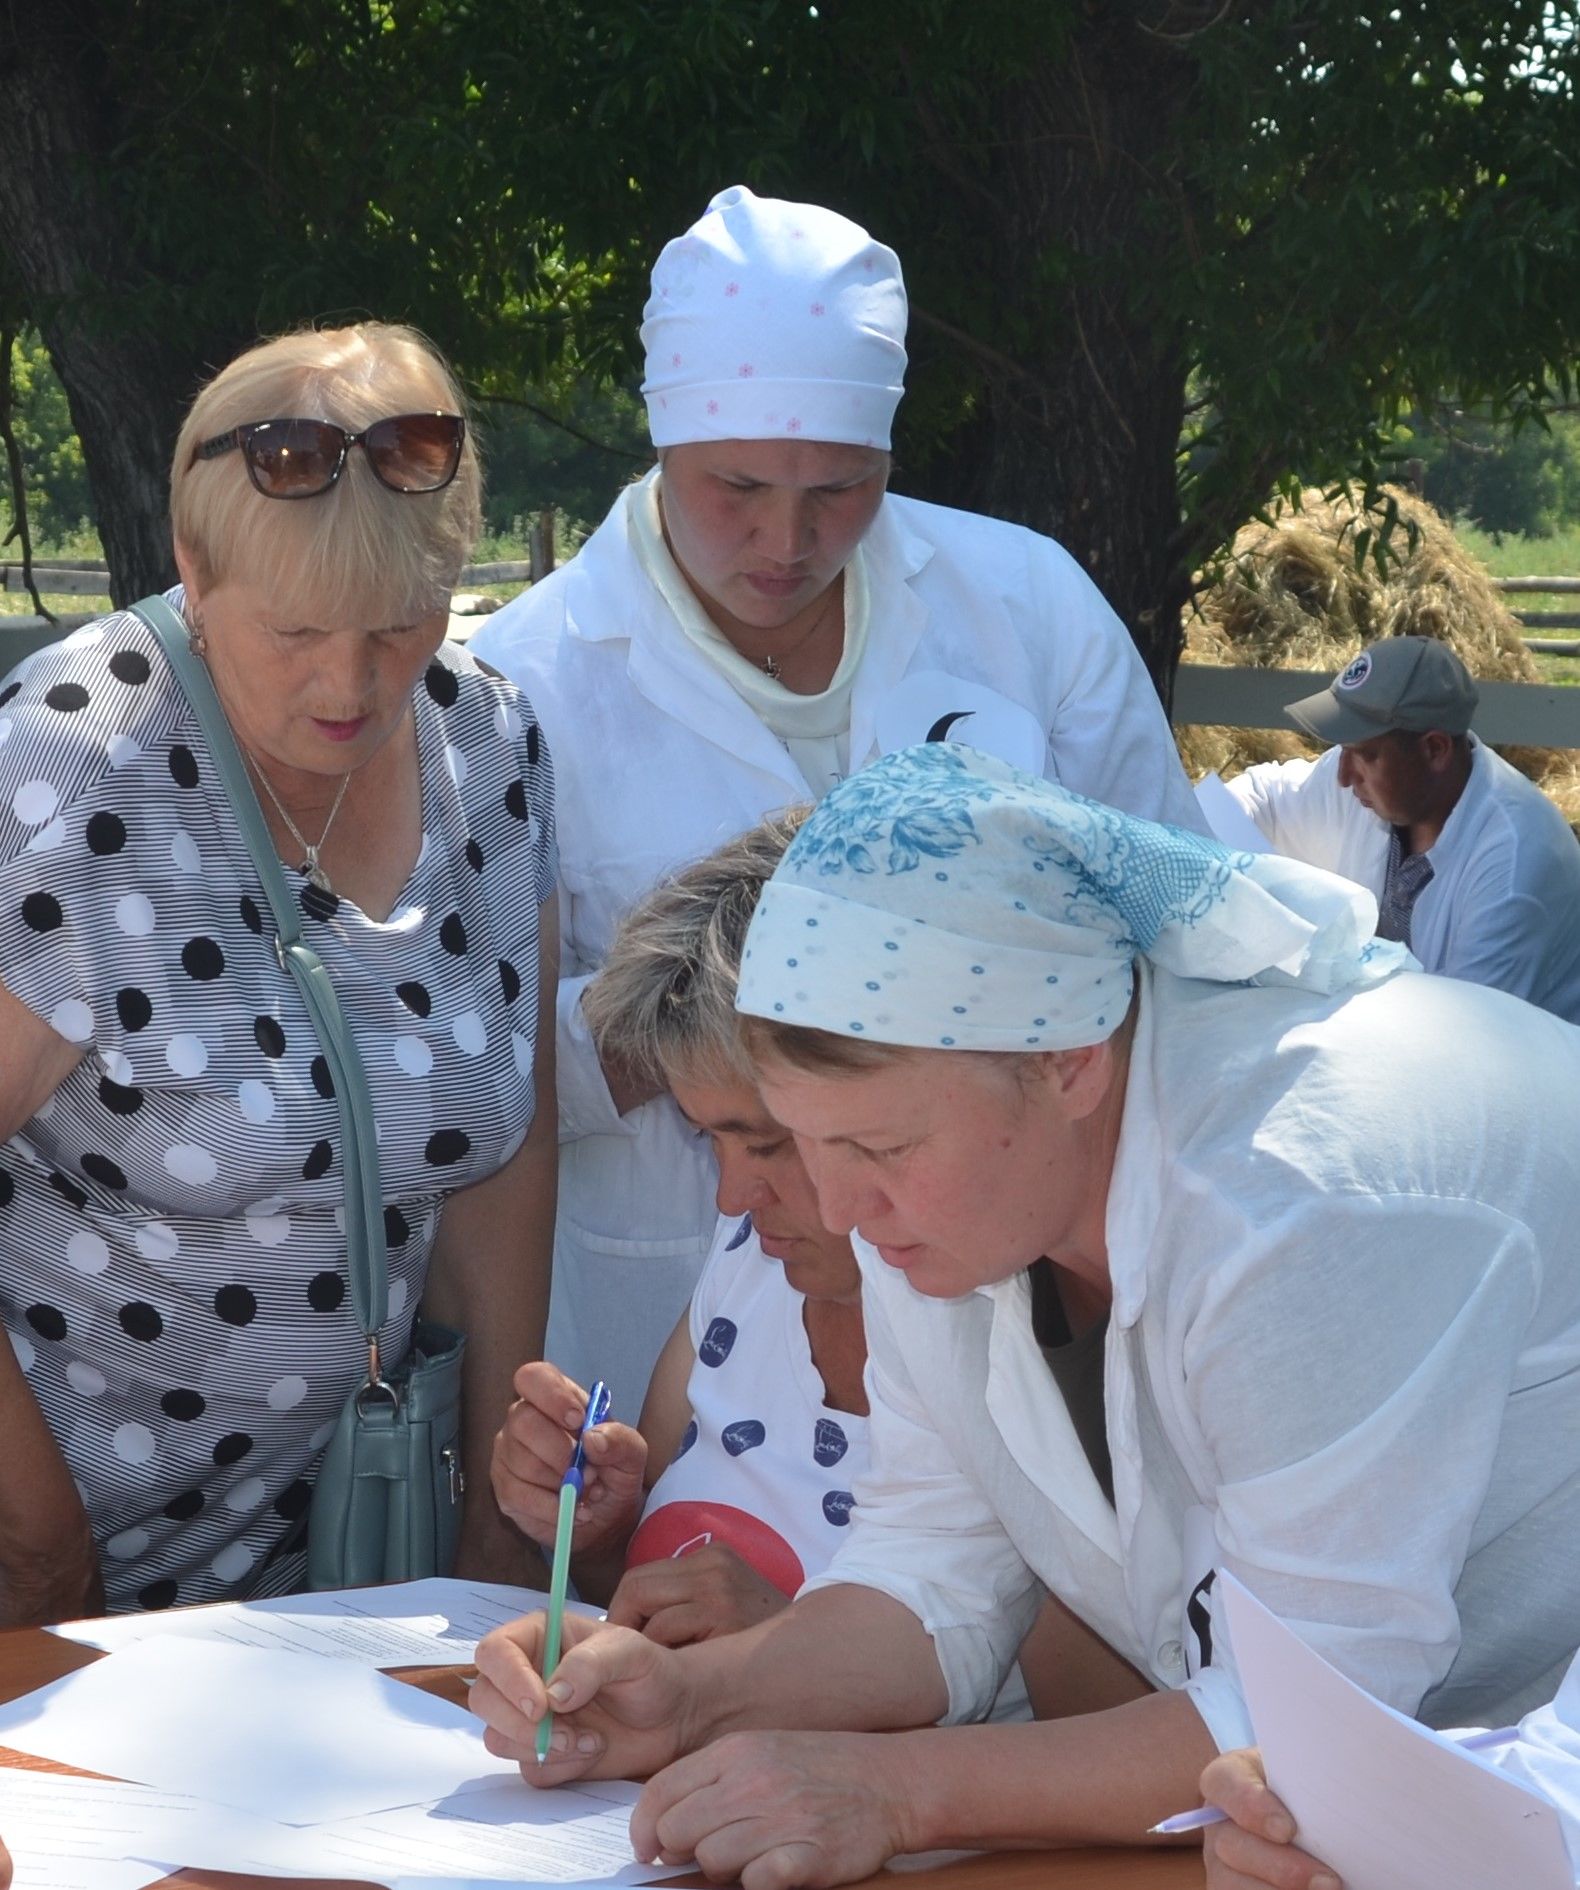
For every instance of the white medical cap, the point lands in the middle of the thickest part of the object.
(772, 320)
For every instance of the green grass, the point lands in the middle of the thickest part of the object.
(1558, 556)
(83, 544)
(19, 604)
(493, 548)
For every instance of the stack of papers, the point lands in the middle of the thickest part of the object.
(430, 1623)
(271, 1761)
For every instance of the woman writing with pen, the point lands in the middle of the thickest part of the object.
(736, 1485)
(1074, 1074)
(709, 1512)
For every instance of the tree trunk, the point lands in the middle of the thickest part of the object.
(1078, 428)
(125, 383)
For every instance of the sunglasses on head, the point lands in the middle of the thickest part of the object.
(300, 459)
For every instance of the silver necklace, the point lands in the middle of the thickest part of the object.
(314, 872)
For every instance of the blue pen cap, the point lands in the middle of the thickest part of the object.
(598, 1402)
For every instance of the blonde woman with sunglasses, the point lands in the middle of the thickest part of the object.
(172, 1275)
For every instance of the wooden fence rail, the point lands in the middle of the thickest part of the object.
(83, 579)
(1540, 715)
(1535, 715)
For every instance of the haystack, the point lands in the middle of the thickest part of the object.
(1291, 596)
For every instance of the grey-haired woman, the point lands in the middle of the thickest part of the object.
(172, 1272)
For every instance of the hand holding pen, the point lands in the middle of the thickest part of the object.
(570, 1495)
(1241, 1773)
(530, 1455)
(623, 1706)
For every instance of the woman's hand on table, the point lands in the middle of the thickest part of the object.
(533, 1450)
(621, 1705)
(779, 1809)
(1256, 1848)
(694, 1597)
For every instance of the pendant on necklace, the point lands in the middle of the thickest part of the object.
(316, 876)
(772, 668)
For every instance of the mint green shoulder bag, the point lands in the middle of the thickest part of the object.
(387, 1498)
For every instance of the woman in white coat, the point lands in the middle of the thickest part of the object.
(1196, 1233)
(754, 620)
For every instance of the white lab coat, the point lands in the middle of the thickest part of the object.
(657, 761)
(1343, 1363)
(1503, 904)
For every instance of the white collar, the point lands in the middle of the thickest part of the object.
(787, 713)
(1461, 813)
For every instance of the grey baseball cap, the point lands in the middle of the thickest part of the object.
(1412, 683)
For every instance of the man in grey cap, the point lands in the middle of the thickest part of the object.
(1473, 867)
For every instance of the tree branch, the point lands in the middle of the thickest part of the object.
(1186, 34)
(1097, 377)
(1003, 362)
(554, 420)
(939, 145)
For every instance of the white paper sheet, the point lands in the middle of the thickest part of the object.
(506, 1832)
(69, 1833)
(89, 1834)
(515, 1883)
(1228, 820)
(1386, 1803)
(431, 1623)
(284, 1735)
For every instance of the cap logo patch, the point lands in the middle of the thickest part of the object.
(1356, 674)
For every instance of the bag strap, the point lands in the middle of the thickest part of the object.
(367, 1263)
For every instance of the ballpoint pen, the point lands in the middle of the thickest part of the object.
(570, 1494)
(1199, 1819)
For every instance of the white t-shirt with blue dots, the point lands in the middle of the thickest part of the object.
(765, 1466)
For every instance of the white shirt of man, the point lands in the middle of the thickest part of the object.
(1503, 903)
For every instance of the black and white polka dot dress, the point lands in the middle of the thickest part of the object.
(172, 1271)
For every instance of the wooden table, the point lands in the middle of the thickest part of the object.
(30, 1658)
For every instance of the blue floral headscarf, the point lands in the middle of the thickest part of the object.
(943, 898)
